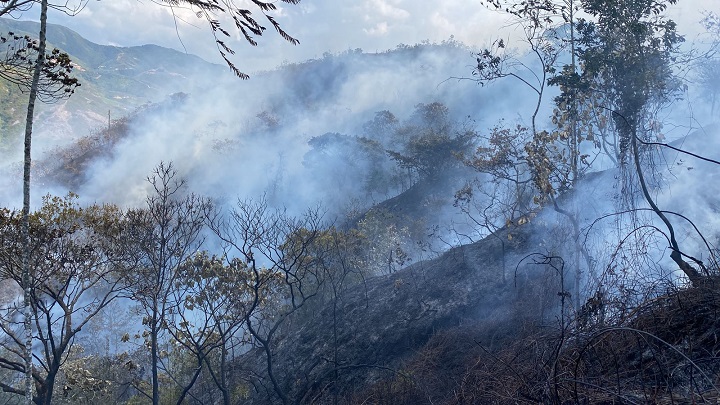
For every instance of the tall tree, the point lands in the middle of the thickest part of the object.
(168, 233)
(627, 50)
(551, 156)
(25, 229)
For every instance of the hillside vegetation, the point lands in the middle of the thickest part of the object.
(358, 229)
(114, 80)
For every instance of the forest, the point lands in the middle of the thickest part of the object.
(540, 227)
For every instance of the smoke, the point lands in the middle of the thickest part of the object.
(232, 140)
(236, 139)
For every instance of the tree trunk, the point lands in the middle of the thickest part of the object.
(196, 374)
(27, 286)
(223, 373)
(45, 391)
(154, 357)
(692, 273)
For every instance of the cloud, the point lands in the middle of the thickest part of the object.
(442, 23)
(321, 25)
(387, 9)
(382, 16)
(379, 29)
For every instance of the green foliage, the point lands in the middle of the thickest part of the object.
(65, 238)
(430, 142)
(624, 53)
(628, 51)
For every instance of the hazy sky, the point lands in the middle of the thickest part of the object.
(321, 25)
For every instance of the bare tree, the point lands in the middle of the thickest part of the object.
(168, 232)
(282, 255)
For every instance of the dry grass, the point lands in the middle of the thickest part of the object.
(667, 351)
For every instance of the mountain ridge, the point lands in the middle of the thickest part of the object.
(93, 54)
(114, 82)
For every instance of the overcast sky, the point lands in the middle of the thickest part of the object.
(321, 26)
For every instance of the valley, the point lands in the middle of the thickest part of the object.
(435, 223)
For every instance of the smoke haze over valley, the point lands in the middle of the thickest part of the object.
(422, 202)
(263, 138)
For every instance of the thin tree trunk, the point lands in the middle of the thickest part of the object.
(45, 391)
(223, 373)
(575, 154)
(25, 229)
(676, 255)
(154, 357)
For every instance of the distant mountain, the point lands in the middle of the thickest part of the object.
(114, 80)
(226, 118)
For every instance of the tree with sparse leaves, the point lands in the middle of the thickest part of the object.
(56, 68)
(286, 271)
(211, 301)
(167, 233)
(78, 263)
(627, 51)
(608, 100)
(17, 65)
(549, 159)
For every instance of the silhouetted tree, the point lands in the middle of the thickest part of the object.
(286, 271)
(168, 233)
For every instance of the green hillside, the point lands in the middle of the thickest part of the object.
(12, 109)
(114, 80)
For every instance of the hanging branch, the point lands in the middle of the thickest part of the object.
(677, 256)
(17, 67)
(243, 19)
